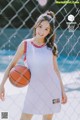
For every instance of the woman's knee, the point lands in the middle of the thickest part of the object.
(48, 117)
(25, 116)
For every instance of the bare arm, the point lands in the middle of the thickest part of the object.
(17, 56)
(64, 97)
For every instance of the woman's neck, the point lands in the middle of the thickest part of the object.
(38, 41)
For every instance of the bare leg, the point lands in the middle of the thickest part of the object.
(25, 116)
(47, 117)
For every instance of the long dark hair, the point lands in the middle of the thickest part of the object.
(50, 17)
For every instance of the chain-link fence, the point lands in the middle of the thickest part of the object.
(16, 22)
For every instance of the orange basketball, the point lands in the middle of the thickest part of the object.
(19, 76)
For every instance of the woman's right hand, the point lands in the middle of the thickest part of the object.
(2, 92)
(18, 55)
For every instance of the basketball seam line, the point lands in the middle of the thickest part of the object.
(15, 82)
(22, 74)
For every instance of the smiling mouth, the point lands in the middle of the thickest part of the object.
(40, 35)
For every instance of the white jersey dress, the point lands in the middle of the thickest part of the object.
(44, 92)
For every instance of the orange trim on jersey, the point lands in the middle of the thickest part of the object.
(38, 46)
(25, 49)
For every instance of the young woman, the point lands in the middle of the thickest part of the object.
(45, 91)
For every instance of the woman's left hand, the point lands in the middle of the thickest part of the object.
(64, 98)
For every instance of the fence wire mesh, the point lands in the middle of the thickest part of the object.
(16, 23)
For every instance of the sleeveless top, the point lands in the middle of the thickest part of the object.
(44, 91)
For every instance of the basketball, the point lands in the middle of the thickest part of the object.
(19, 76)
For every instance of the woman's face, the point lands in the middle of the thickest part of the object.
(43, 29)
